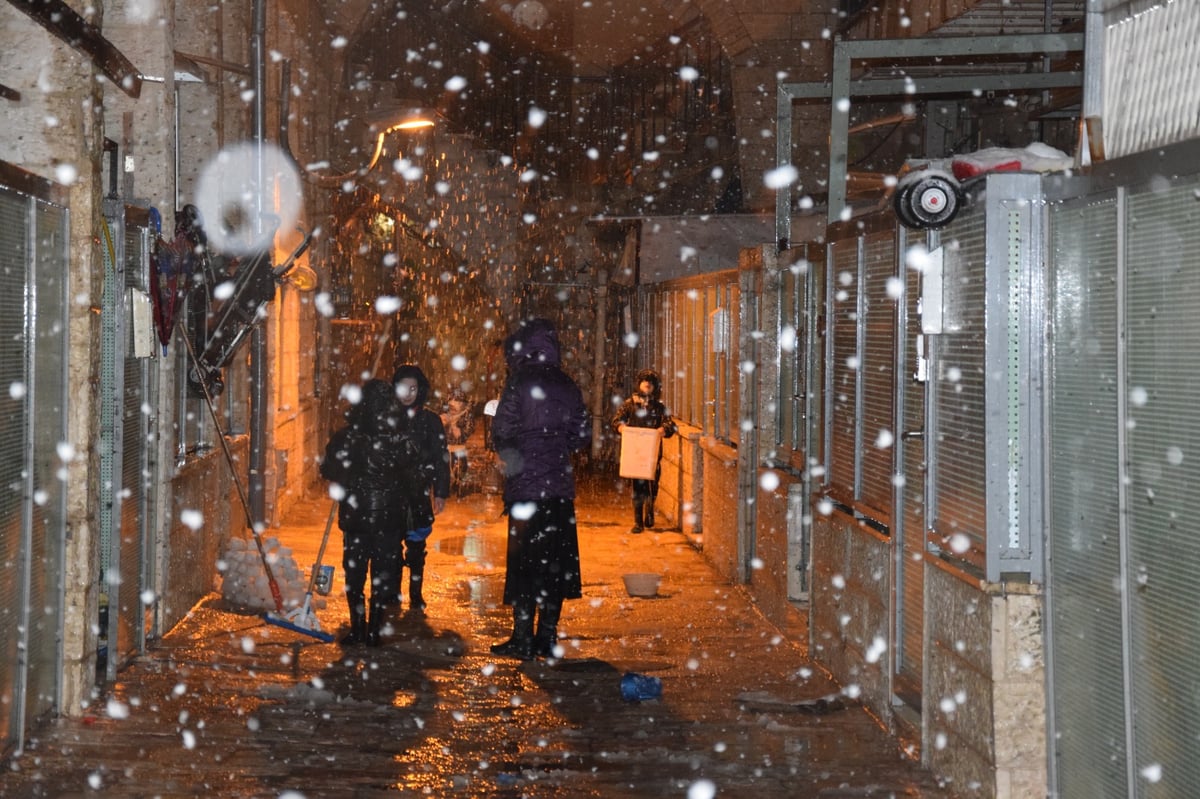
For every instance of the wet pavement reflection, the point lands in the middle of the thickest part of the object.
(229, 706)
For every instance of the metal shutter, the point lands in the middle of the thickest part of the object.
(910, 584)
(843, 370)
(48, 359)
(1083, 582)
(14, 254)
(1163, 446)
(959, 459)
(878, 365)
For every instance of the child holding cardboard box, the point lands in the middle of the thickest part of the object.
(643, 411)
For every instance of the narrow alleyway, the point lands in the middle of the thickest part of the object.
(228, 706)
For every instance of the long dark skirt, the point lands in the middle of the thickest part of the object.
(543, 552)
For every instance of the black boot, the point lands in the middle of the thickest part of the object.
(638, 506)
(547, 629)
(373, 637)
(358, 626)
(648, 515)
(416, 575)
(416, 602)
(520, 645)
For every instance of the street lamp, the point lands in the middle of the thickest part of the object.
(381, 123)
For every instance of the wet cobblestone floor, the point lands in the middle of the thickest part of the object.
(226, 705)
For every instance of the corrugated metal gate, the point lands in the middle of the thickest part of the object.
(985, 423)
(127, 426)
(33, 369)
(871, 402)
(908, 664)
(1124, 533)
(859, 384)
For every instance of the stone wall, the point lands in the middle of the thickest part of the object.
(681, 484)
(773, 559)
(850, 597)
(721, 540)
(984, 700)
(188, 559)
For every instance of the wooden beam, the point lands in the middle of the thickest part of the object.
(65, 23)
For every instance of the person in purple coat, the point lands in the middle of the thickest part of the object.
(541, 419)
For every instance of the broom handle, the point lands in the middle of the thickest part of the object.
(383, 340)
(276, 594)
(312, 578)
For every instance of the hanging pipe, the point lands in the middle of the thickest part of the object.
(258, 339)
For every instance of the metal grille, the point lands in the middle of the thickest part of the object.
(13, 448)
(128, 590)
(911, 578)
(47, 510)
(957, 447)
(878, 364)
(701, 385)
(843, 368)
(1151, 78)
(1163, 437)
(33, 368)
(1085, 604)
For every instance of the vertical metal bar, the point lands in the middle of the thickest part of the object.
(599, 414)
(827, 359)
(860, 345)
(839, 130)
(899, 383)
(783, 157)
(258, 341)
(709, 361)
(64, 368)
(114, 356)
(24, 564)
(1128, 575)
(1092, 109)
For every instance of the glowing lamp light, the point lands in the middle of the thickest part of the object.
(303, 278)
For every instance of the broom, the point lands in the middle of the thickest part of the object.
(276, 595)
(303, 616)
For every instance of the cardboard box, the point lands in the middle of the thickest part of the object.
(639, 452)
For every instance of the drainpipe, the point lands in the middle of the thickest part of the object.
(258, 341)
(598, 412)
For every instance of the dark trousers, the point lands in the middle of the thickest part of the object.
(369, 552)
(645, 493)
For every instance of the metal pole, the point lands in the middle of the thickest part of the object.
(258, 343)
(599, 413)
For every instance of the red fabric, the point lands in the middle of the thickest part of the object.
(964, 169)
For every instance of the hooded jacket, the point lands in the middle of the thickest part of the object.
(365, 459)
(541, 418)
(426, 440)
(645, 411)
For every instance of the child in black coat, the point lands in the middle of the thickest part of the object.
(426, 490)
(645, 409)
(365, 460)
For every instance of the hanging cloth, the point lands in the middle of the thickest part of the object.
(171, 266)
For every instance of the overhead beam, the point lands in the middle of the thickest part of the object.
(840, 89)
(65, 23)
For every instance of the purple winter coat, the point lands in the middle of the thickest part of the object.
(541, 418)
